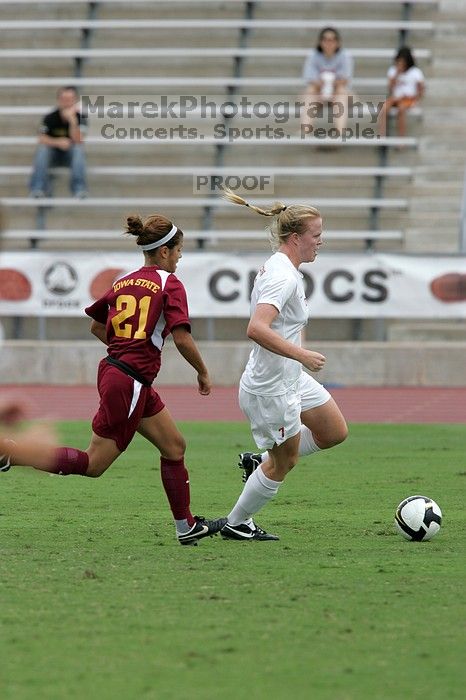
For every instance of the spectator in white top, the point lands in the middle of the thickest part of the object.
(328, 71)
(405, 89)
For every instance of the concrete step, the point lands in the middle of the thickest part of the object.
(428, 240)
(427, 332)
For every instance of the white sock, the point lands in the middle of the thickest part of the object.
(257, 491)
(307, 444)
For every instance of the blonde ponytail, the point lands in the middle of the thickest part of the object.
(276, 209)
(288, 218)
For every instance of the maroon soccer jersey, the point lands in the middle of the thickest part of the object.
(139, 311)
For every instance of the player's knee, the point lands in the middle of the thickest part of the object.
(339, 435)
(181, 445)
(177, 448)
(343, 432)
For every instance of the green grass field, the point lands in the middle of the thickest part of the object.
(98, 600)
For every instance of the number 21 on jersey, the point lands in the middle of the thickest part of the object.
(124, 321)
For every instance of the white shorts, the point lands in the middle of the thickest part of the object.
(275, 419)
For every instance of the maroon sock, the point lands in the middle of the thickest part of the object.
(175, 479)
(70, 461)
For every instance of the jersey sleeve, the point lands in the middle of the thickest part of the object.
(175, 307)
(276, 291)
(391, 73)
(98, 310)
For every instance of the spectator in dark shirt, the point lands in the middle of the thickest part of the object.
(61, 144)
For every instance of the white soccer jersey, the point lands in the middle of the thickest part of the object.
(278, 283)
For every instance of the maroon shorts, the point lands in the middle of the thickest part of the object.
(123, 402)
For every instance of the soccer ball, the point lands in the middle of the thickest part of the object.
(418, 518)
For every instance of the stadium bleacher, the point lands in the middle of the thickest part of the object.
(367, 191)
(225, 50)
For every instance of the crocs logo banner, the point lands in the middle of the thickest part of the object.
(219, 285)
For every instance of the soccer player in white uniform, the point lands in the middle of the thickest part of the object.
(291, 414)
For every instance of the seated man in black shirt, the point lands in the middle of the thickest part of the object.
(61, 144)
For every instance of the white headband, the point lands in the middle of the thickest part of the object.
(162, 241)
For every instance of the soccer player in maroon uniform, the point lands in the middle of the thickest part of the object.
(133, 319)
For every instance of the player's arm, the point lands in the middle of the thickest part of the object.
(188, 349)
(259, 330)
(100, 331)
(98, 312)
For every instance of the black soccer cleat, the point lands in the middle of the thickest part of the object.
(248, 462)
(5, 464)
(201, 528)
(246, 533)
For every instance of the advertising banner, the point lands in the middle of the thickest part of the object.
(365, 285)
